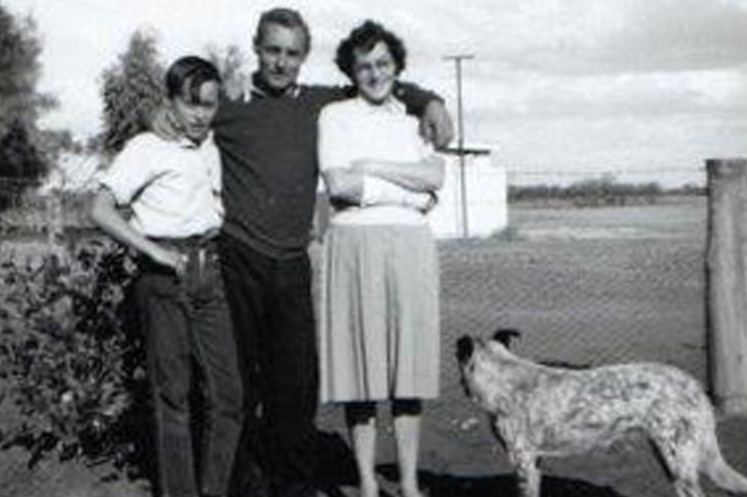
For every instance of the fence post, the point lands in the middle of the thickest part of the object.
(54, 221)
(726, 269)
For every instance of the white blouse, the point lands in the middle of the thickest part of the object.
(355, 129)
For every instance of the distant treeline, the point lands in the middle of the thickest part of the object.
(600, 192)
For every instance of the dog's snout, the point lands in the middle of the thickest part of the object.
(465, 347)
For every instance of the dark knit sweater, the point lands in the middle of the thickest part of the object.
(268, 150)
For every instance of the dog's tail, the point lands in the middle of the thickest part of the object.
(719, 471)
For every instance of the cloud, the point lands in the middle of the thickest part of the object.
(533, 96)
(682, 35)
(560, 83)
(638, 36)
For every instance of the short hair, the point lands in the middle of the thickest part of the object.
(193, 72)
(364, 38)
(285, 17)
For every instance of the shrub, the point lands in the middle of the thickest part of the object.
(599, 192)
(71, 362)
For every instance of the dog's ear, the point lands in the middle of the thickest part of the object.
(465, 347)
(505, 335)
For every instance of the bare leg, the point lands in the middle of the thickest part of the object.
(407, 416)
(361, 420)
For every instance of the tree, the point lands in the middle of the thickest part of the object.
(230, 64)
(19, 157)
(20, 103)
(132, 90)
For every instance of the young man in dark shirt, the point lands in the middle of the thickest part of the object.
(267, 139)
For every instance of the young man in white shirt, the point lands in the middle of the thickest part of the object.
(173, 188)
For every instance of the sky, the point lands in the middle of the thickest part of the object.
(645, 90)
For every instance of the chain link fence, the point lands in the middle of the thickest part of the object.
(582, 301)
(586, 286)
(34, 223)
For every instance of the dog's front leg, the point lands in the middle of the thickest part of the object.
(521, 455)
(528, 474)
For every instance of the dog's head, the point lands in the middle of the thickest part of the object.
(481, 363)
(466, 345)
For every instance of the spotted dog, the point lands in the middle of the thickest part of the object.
(539, 411)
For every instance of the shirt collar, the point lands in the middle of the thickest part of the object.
(184, 142)
(174, 133)
(390, 106)
(257, 87)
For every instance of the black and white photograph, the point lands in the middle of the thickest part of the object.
(347, 248)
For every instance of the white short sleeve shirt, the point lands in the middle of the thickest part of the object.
(173, 187)
(355, 129)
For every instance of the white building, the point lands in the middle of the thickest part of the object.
(486, 194)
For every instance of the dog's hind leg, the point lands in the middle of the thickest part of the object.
(681, 465)
(688, 488)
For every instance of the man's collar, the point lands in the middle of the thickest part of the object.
(257, 87)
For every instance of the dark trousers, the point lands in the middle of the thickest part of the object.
(273, 316)
(187, 323)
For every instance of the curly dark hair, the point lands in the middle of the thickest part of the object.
(364, 38)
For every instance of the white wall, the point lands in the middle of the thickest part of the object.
(486, 192)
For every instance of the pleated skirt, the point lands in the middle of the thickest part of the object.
(379, 313)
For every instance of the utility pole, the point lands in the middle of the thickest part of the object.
(460, 138)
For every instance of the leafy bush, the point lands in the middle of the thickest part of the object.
(604, 191)
(71, 362)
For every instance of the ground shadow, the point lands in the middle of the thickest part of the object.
(503, 485)
(337, 471)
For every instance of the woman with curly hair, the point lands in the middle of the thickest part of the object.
(379, 313)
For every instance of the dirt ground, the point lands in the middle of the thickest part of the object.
(588, 287)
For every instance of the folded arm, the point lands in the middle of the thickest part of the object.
(372, 182)
(425, 175)
(344, 185)
(351, 187)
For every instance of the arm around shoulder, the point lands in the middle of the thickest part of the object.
(436, 125)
